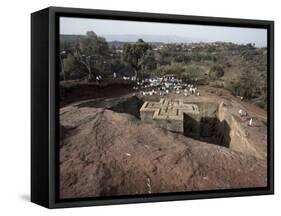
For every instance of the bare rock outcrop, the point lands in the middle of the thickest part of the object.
(106, 153)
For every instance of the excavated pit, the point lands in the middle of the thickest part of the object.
(198, 120)
(213, 123)
(207, 126)
(129, 105)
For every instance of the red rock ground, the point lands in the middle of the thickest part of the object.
(105, 153)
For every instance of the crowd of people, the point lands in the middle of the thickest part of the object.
(166, 85)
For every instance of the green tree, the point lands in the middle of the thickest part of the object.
(247, 86)
(69, 63)
(135, 55)
(148, 62)
(72, 67)
(92, 52)
(216, 72)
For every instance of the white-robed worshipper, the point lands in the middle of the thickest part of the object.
(250, 123)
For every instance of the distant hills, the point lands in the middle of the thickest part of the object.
(151, 38)
(64, 37)
(119, 40)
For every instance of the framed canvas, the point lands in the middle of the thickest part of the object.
(139, 107)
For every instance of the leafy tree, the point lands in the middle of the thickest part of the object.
(91, 53)
(134, 55)
(148, 62)
(190, 74)
(72, 67)
(69, 63)
(120, 68)
(247, 86)
(182, 58)
(181, 71)
(63, 55)
(216, 72)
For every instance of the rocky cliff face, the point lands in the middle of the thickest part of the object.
(241, 139)
(106, 153)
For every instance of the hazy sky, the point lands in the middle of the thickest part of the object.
(164, 32)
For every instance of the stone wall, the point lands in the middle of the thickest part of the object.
(239, 140)
(168, 114)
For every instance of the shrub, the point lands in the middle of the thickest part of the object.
(216, 72)
(246, 88)
(73, 69)
(263, 102)
(217, 84)
(181, 71)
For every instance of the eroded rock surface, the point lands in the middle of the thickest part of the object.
(106, 153)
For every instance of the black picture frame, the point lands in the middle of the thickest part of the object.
(45, 106)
